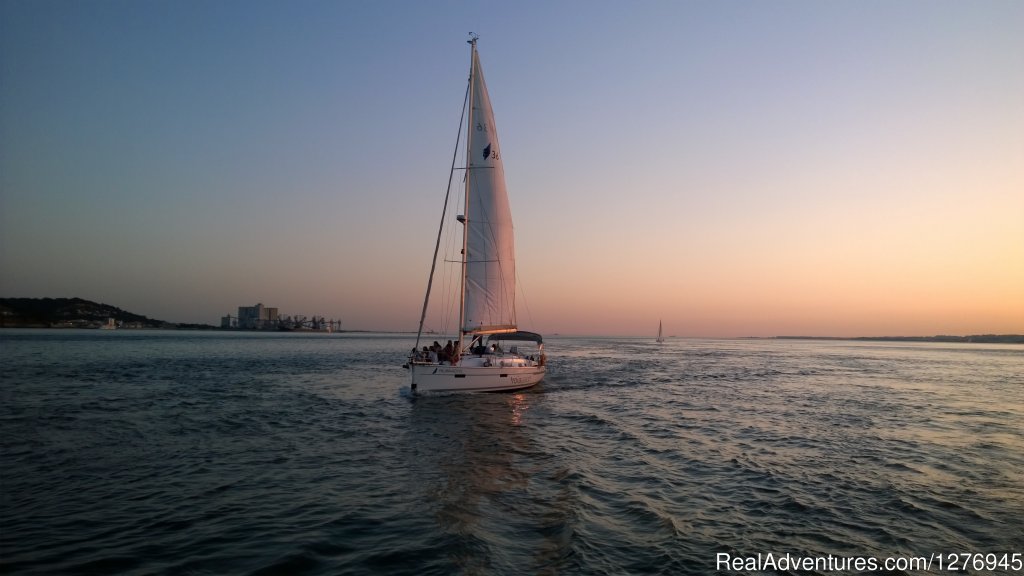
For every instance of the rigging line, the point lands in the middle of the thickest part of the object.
(451, 280)
(453, 247)
(522, 292)
(444, 211)
(449, 297)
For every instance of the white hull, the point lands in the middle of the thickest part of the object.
(445, 378)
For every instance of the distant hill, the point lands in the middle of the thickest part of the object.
(68, 312)
(976, 338)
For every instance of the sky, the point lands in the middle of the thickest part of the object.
(728, 168)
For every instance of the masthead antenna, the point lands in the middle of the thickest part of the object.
(472, 38)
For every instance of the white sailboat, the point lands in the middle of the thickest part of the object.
(660, 338)
(487, 302)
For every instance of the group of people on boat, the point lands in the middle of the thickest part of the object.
(436, 354)
(451, 352)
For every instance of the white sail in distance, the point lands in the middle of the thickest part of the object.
(490, 244)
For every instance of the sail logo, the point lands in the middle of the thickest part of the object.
(489, 154)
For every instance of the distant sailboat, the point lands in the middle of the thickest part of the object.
(488, 281)
(660, 339)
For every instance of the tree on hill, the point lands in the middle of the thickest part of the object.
(64, 311)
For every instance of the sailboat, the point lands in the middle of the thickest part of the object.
(660, 338)
(478, 361)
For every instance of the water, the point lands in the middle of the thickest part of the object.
(239, 453)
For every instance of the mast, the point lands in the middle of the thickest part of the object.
(469, 176)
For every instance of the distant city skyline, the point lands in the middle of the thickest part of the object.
(792, 168)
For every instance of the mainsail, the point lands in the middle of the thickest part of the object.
(490, 245)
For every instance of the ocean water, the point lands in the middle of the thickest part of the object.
(148, 452)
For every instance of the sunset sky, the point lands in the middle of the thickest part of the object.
(730, 168)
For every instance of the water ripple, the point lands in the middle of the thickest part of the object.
(178, 453)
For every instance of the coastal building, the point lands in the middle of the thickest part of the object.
(256, 317)
(260, 317)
